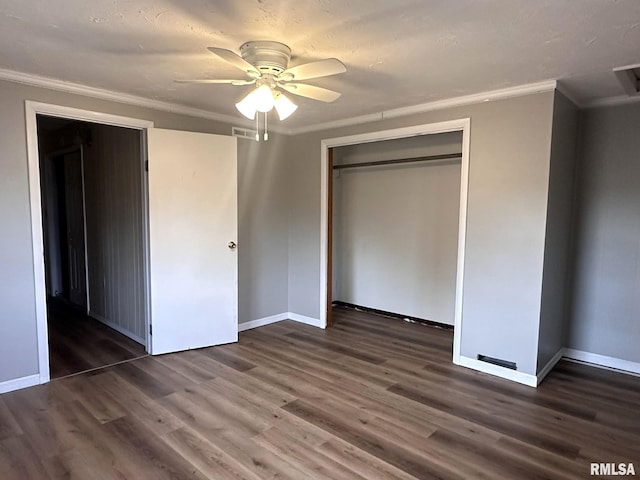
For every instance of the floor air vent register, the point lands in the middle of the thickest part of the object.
(498, 361)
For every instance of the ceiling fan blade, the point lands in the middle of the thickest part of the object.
(235, 60)
(213, 80)
(310, 91)
(321, 68)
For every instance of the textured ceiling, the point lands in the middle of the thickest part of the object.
(398, 53)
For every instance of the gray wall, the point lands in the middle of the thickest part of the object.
(506, 250)
(262, 228)
(606, 304)
(508, 182)
(555, 277)
(263, 238)
(396, 227)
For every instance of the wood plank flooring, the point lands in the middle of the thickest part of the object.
(371, 398)
(78, 343)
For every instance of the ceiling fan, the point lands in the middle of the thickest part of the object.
(266, 64)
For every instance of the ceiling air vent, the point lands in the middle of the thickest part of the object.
(629, 77)
(244, 133)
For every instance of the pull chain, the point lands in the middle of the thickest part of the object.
(266, 134)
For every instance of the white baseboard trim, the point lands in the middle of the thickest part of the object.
(118, 328)
(314, 322)
(261, 322)
(506, 373)
(549, 366)
(18, 383)
(602, 361)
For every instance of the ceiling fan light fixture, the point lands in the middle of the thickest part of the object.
(263, 98)
(258, 100)
(246, 107)
(266, 63)
(284, 106)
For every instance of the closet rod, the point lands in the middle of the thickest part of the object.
(399, 160)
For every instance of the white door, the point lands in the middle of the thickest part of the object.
(192, 234)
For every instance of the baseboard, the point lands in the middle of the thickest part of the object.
(314, 322)
(18, 383)
(506, 373)
(549, 366)
(602, 361)
(261, 322)
(118, 328)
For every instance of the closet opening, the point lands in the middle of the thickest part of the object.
(395, 226)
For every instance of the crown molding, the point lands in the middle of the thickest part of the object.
(124, 98)
(474, 98)
(113, 96)
(346, 122)
(436, 105)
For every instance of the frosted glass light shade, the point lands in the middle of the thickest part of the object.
(284, 106)
(246, 107)
(263, 98)
(258, 100)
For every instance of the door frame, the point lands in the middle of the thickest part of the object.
(463, 125)
(32, 109)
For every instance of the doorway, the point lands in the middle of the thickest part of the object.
(92, 204)
(189, 211)
(62, 115)
(395, 227)
(327, 164)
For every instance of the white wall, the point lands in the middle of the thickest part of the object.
(605, 317)
(396, 227)
(263, 234)
(510, 146)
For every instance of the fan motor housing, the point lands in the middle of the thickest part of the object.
(268, 57)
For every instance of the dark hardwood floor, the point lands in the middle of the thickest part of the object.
(371, 398)
(78, 343)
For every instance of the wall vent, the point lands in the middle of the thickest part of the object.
(498, 361)
(244, 133)
(629, 78)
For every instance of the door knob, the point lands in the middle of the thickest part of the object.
(232, 245)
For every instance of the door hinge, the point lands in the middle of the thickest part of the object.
(146, 165)
(150, 329)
